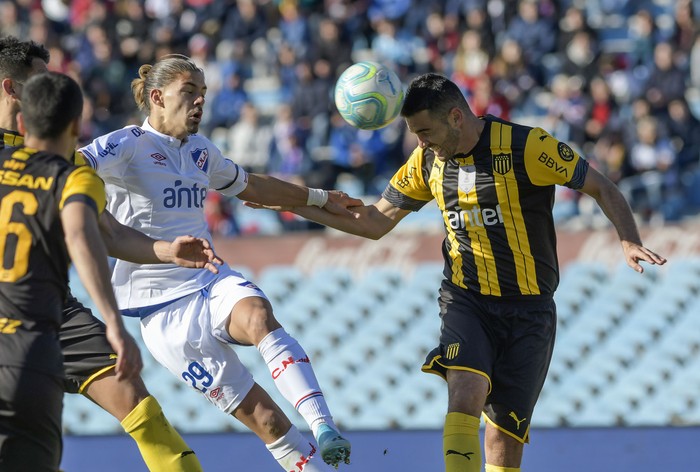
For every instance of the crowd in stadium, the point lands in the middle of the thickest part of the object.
(618, 79)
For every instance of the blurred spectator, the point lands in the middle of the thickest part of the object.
(442, 40)
(643, 32)
(484, 101)
(571, 23)
(684, 132)
(566, 113)
(294, 27)
(511, 78)
(10, 21)
(470, 61)
(218, 212)
(392, 48)
(653, 163)
(608, 155)
(666, 81)
(580, 57)
(311, 103)
(225, 107)
(601, 110)
(331, 47)
(245, 22)
(249, 140)
(288, 158)
(535, 35)
(685, 29)
(477, 20)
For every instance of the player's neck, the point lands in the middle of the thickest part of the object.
(471, 132)
(63, 146)
(8, 119)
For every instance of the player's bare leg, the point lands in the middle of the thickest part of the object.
(501, 449)
(162, 448)
(284, 441)
(252, 322)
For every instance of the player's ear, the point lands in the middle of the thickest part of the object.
(156, 97)
(8, 87)
(455, 119)
(20, 123)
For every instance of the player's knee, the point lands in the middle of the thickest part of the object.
(254, 316)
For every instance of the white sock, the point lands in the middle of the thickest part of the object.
(294, 377)
(294, 453)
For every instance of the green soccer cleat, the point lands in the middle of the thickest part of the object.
(334, 448)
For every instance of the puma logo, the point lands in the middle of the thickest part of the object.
(464, 454)
(186, 453)
(515, 417)
(543, 137)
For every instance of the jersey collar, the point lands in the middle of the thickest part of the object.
(11, 138)
(169, 140)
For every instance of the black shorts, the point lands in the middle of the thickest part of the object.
(31, 404)
(508, 342)
(86, 351)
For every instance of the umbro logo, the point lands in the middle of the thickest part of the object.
(158, 159)
(464, 454)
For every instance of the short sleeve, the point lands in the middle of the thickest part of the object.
(227, 177)
(108, 153)
(408, 189)
(552, 162)
(84, 185)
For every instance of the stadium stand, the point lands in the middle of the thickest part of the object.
(626, 352)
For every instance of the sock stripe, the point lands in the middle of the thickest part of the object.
(306, 397)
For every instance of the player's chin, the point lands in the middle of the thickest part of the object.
(192, 127)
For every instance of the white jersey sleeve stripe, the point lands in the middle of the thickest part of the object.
(89, 157)
(235, 179)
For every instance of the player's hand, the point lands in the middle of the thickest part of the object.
(194, 253)
(340, 203)
(635, 253)
(129, 363)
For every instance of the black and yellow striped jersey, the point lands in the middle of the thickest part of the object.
(34, 187)
(13, 139)
(496, 203)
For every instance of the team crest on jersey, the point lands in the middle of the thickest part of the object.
(201, 158)
(502, 163)
(565, 152)
(466, 178)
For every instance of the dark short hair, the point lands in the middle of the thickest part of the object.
(50, 103)
(16, 57)
(433, 92)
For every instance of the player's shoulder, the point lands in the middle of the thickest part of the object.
(519, 128)
(127, 133)
(198, 140)
(114, 143)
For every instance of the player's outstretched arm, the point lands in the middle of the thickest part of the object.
(269, 191)
(618, 211)
(132, 245)
(368, 221)
(89, 256)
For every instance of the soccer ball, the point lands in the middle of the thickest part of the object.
(368, 95)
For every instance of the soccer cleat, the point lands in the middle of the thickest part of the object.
(333, 447)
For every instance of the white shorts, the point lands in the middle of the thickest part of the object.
(188, 336)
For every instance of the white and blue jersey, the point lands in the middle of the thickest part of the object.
(157, 184)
